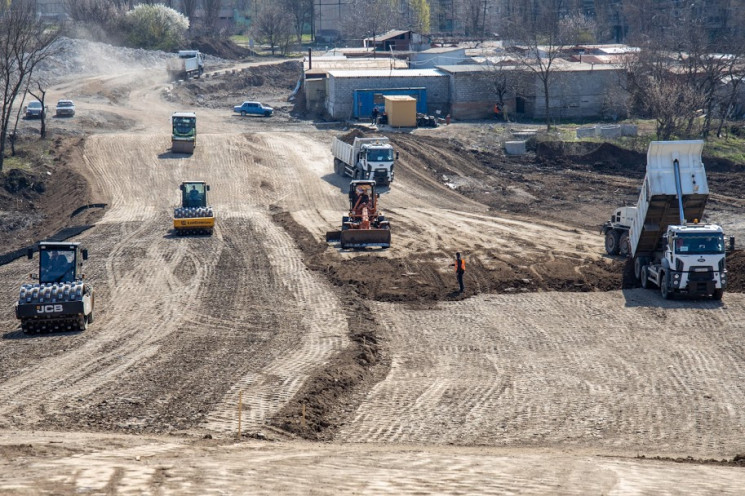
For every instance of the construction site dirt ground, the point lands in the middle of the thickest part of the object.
(355, 372)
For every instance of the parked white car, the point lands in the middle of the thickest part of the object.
(65, 108)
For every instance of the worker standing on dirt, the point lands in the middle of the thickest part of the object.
(460, 268)
(375, 113)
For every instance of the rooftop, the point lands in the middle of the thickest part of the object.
(386, 73)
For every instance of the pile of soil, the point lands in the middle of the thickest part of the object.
(48, 198)
(222, 48)
(270, 83)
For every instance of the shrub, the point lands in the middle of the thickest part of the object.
(155, 27)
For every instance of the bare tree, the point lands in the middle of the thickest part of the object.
(24, 43)
(96, 11)
(659, 89)
(300, 11)
(734, 80)
(368, 18)
(273, 26)
(190, 9)
(538, 27)
(211, 14)
(475, 17)
(41, 95)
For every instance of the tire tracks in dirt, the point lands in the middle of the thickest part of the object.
(560, 369)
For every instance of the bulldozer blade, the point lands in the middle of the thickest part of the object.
(333, 236)
(362, 238)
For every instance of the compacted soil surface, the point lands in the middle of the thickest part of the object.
(262, 359)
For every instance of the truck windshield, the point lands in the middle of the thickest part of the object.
(183, 125)
(699, 244)
(380, 155)
(57, 266)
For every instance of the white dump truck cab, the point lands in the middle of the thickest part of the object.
(370, 159)
(692, 262)
(376, 162)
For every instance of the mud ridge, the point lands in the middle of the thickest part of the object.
(336, 390)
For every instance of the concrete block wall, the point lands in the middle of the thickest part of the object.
(473, 96)
(582, 94)
(340, 100)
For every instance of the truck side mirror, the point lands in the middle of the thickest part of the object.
(396, 155)
(84, 251)
(182, 187)
(731, 243)
(30, 253)
(207, 187)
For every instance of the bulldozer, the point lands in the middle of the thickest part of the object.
(365, 226)
(61, 300)
(194, 216)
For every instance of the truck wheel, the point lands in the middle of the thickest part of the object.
(644, 276)
(664, 289)
(611, 242)
(243, 113)
(623, 245)
(267, 114)
(717, 294)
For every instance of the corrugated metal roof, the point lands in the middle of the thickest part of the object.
(390, 34)
(568, 67)
(442, 50)
(326, 64)
(383, 73)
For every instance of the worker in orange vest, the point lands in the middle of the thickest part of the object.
(460, 268)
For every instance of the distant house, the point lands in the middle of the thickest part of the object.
(392, 40)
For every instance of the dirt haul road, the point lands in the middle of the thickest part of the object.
(537, 392)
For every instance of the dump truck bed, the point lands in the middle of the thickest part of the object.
(657, 206)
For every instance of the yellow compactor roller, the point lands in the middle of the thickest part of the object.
(194, 216)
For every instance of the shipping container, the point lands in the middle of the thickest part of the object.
(366, 99)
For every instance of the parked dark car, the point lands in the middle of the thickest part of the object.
(34, 110)
(65, 108)
(253, 108)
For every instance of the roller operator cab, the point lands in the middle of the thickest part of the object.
(61, 300)
(194, 216)
(183, 132)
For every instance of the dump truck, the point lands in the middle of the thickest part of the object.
(188, 64)
(366, 158)
(365, 225)
(669, 245)
(194, 216)
(184, 132)
(61, 300)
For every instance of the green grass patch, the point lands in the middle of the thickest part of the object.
(17, 162)
(730, 148)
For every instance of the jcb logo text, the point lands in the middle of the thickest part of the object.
(48, 308)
